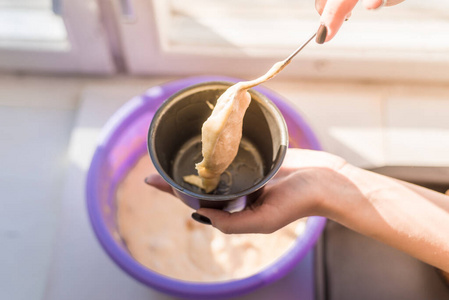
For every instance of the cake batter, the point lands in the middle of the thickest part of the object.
(160, 234)
(222, 131)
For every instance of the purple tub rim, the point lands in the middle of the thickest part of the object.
(113, 128)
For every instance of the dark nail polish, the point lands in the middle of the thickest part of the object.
(321, 34)
(146, 180)
(200, 218)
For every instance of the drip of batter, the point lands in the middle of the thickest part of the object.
(222, 131)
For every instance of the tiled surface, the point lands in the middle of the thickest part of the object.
(374, 125)
(417, 126)
(40, 91)
(347, 118)
(33, 159)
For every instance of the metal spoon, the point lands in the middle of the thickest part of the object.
(275, 69)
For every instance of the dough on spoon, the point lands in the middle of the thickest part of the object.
(222, 131)
(221, 135)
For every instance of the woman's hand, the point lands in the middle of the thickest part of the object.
(335, 12)
(299, 189)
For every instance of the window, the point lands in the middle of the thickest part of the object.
(232, 37)
(53, 36)
(244, 37)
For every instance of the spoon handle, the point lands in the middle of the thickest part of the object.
(288, 59)
(275, 69)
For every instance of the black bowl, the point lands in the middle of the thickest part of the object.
(174, 144)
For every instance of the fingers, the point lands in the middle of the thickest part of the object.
(373, 4)
(245, 221)
(391, 2)
(332, 17)
(335, 12)
(319, 5)
(155, 180)
(274, 209)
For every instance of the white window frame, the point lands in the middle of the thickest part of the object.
(384, 46)
(88, 50)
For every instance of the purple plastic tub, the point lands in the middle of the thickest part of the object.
(124, 140)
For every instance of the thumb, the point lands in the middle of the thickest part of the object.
(155, 180)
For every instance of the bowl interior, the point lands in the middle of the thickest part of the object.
(174, 140)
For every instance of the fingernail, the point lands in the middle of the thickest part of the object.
(321, 34)
(146, 180)
(200, 218)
